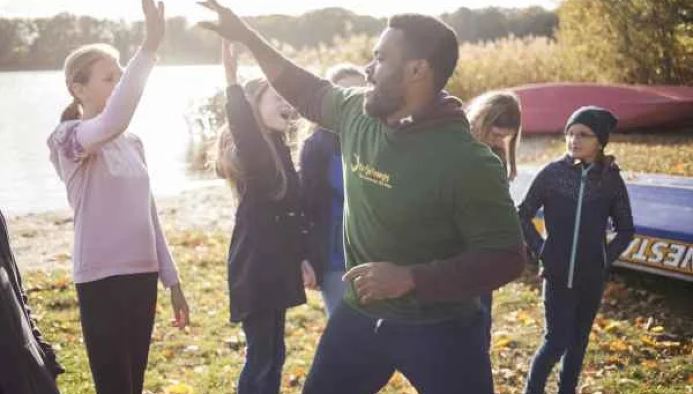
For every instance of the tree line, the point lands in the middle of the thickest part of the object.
(43, 43)
(625, 41)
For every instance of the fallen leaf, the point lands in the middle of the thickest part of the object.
(657, 329)
(613, 326)
(669, 344)
(618, 346)
(628, 381)
(502, 343)
(648, 341)
(649, 364)
(179, 388)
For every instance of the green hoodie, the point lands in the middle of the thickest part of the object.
(422, 192)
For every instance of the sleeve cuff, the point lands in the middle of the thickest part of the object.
(169, 280)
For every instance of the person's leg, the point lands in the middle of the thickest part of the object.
(104, 330)
(265, 353)
(332, 289)
(589, 301)
(143, 293)
(442, 358)
(559, 311)
(487, 302)
(350, 358)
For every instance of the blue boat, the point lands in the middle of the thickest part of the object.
(663, 215)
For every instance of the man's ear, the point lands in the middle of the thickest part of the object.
(417, 70)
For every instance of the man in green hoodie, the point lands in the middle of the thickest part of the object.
(429, 224)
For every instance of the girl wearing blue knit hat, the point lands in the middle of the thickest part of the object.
(579, 193)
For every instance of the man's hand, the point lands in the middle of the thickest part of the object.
(233, 29)
(229, 26)
(309, 279)
(380, 281)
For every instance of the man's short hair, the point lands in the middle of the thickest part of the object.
(429, 38)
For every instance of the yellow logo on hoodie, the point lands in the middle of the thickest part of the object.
(370, 173)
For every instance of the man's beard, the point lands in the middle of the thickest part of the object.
(384, 99)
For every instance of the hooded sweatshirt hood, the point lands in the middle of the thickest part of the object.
(445, 108)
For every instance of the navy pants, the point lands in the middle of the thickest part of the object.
(359, 354)
(487, 302)
(117, 316)
(569, 315)
(265, 353)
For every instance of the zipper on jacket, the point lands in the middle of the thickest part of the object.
(576, 229)
(378, 323)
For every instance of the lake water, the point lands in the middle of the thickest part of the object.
(30, 107)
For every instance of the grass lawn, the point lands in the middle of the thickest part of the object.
(641, 343)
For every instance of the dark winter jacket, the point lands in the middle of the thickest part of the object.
(264, 256)
(578, 201)
(319, 198)
(27, 362)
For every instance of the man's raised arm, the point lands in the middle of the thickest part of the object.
(302, 89)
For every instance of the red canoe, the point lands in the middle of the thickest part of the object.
(546, 107)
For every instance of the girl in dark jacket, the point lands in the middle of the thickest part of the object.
(322, 202)
(264, 256)
(27, 362)
(579, 194)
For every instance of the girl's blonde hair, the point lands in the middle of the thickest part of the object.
(227, 163)
(77, 68)
(500, 109)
